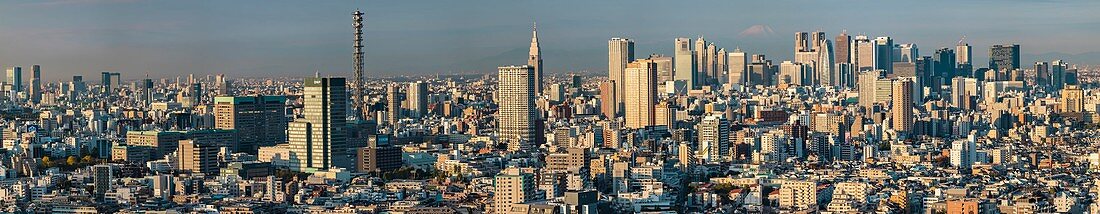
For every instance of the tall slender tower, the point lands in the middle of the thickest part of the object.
(535, 59)
(357, 83)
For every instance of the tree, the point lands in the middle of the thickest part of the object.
(46, 161)
(87, 159)
(71, 161)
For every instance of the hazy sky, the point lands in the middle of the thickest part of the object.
(296, 38)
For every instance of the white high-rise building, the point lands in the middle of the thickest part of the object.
(418, 99)
(641, 96)
(517, 115)
(738, 65)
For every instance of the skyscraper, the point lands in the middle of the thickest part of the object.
(608, 99)
(843, 48)
(963, 54)
(863, 54)
(884, 51)
(534, 59)
(721, 66)
(620, 51)
(641, 80)
(702, 62)
(319, 140)
(943, 68)
(1004, 57)
(259, 120)
(15, 78)
(516, 116)
(902, 106)
(684, 68)
(105, 82)
(738, 65)
(393, 104)
(824, 68)
(418, 99)
(712, 63)
(36, 84)
(801, 41)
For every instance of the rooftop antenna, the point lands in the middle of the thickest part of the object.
(961, 40)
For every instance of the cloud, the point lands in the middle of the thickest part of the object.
(757, 31)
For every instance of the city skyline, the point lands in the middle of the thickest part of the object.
(131, 36)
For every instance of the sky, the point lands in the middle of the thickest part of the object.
(254, 38)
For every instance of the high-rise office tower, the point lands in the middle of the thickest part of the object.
(824, 68)
(794, 73)
(712, 63)
(905, 53)
(963, 53)
(714, 138)
(620, 51)
(943, 67)
(147, 92)
(418, 99)
(884, 51)
(902, 106)
(116, 80)
(702, 62)
(534, 59)
(106, 82)
(843, 47)
(801, 41)
(721, 66)
(641, 79)
(608, 99)
(1042, 74)
(684, 68)
(1058, 74)
(15, 78)
(393, 104)
(863, 54)
(77, 86)
(517, 115)
(197, 157)
(511, 187)
(1004, 57)
(817, 39)
(664, 68)
(259, 120)
(319, 140)
(738, 66)
(36, 84)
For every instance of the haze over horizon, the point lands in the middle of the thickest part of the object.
(292, 38)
